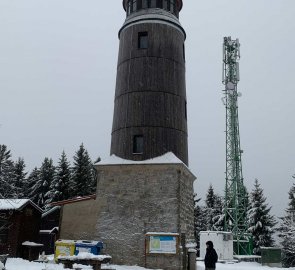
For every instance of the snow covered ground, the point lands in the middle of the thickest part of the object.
(20, 264)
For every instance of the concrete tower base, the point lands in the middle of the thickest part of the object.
(136, 200)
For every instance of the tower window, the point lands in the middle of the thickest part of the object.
(142, 40)
(139, 4)
(138, 144)
(165, 4)
(144, 3)
(159, 3)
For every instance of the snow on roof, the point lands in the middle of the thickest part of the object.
(66, 241)
(16, 204)
(49, 231)
(168, 158)
(32, 244)
(214, 232)
(11, 204)
(50, 211)
(162, 233)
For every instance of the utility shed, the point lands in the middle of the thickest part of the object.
(19, 222)
(222, 241)
(49, 231)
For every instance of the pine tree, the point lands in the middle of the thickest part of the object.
(60, 186)
(261, 222)
(292, 196)
(33, 185)
(84, 176)
(287, 235)
(287, 231)
(200, 218)
(218, 215)
(7, 176)
(213, 206)
(42, 186)
(20, 176)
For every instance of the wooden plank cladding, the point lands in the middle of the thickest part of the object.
(150, 98)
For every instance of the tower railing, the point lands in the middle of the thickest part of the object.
(137, 5)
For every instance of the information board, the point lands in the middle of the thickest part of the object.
(162, 244)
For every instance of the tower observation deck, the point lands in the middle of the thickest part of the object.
(150, 115)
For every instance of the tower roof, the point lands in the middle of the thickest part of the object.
(179, 4)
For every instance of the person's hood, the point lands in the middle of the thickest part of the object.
(210, 244)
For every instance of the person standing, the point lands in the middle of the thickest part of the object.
(211, 256)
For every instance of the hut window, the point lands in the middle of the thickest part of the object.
(142, 40)
(29, 212)
(138, 144)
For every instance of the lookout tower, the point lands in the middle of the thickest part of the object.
(144, 205)
(150, 116)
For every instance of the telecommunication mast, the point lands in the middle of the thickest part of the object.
(235, 197)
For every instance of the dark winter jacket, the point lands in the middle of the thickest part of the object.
(211, 256)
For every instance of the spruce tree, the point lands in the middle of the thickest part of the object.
(7, 176)
(261, 222)
(213, 208)
(218, 215)
(292, 196)
(32, 186)
(20, 176)
(287, 231)
(200, 218)
(84, 176)
(43, 184)
(60, 186)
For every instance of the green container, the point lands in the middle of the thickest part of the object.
(271, 256)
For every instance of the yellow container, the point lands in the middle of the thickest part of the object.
(64, 248)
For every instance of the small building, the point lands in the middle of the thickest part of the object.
(49, 231)
(19, 222)
(222, 241)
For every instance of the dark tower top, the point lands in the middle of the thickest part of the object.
(150, 116)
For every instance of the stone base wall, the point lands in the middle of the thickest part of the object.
(132, 200)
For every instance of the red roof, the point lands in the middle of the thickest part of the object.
(73, 200)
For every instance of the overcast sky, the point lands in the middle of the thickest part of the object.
(57, 82)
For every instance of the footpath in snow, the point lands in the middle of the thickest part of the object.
(20, 264)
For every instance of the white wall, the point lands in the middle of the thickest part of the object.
(222, 241)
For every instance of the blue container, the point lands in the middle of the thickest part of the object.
(94, 247)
